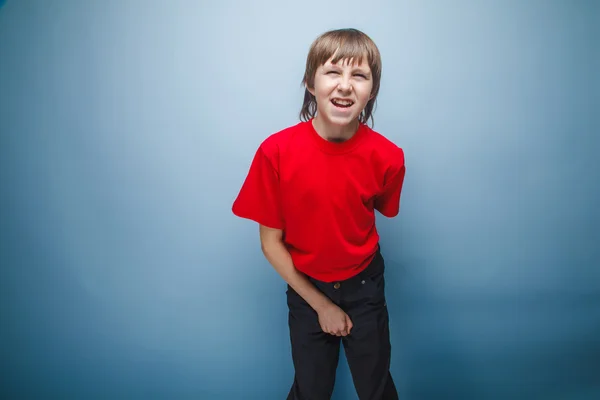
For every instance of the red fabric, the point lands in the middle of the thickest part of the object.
(323, 196)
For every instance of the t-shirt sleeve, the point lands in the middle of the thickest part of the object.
(388, 202)
(259, 197)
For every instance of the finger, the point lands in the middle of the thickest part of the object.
(349, 324)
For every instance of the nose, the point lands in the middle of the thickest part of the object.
(344, 84)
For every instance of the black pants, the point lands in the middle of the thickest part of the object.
(315, 353)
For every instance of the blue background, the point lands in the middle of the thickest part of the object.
(128, 127)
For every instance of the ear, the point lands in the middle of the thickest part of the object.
(311, 91)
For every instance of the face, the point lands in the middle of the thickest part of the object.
(342, 91)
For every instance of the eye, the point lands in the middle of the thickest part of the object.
(332, 72)
(361, 75)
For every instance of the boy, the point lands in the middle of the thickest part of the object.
(313, 189)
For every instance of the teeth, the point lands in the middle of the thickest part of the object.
(343, 102)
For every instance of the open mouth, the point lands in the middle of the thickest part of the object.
(342, 103)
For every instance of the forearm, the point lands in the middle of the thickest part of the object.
(280, 258)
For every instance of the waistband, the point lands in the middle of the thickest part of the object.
(375, 267)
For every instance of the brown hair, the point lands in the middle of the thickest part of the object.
(346, 44)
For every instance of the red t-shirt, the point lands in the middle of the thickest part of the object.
(323, 196)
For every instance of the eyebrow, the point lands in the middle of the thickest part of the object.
(362, 70)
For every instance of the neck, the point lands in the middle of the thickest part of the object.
(334, 133)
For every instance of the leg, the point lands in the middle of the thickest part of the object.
(368, 347)
(315, 353)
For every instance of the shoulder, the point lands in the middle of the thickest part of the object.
(389, 152)
(276, 142)
(273, 148)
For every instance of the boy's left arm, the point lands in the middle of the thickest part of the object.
(388, 202)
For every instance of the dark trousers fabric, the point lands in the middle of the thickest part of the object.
(315, 353)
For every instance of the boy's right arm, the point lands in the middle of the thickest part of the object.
(332, 319)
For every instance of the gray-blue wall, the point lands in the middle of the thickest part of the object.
(127, 128)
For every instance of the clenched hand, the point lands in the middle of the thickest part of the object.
(335, 321)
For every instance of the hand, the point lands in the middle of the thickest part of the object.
(335, 321)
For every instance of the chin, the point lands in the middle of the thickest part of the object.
(342, 121)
